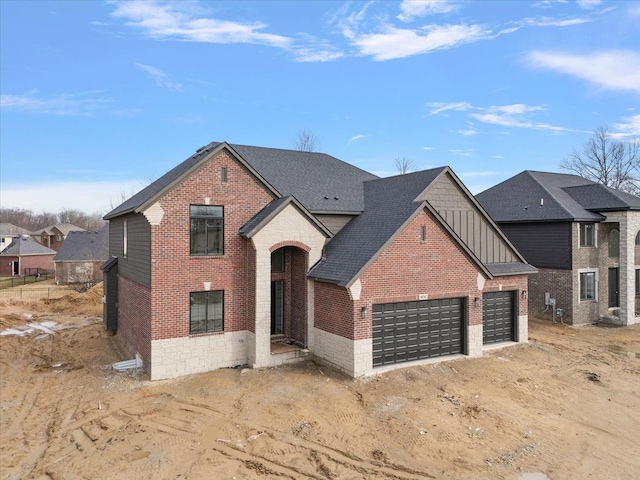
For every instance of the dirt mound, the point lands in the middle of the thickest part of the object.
(89, 302)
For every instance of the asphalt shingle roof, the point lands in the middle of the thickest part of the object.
(8, 229)
(319, 181)
(22, 246)
(389, 203)
(537, 196)
(84, 246)
(63, 228)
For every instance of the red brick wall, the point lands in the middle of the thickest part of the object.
(134, 318)
(409, 267)
(333, 309)
(175, 273)
(518, 283)
(299, 295)
(43, 262)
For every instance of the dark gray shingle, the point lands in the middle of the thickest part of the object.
(22, 246)
(84, 246)
(389, 203)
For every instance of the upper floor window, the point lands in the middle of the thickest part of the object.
(206, 312)
(125, 238)
(207, 230)
(614, 243)
(638, 239)
(587, 234)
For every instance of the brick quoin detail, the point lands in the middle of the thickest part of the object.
(175, 273)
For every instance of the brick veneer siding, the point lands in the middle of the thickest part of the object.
(176, 273)
(559, 284)
(134, 319)
(298, 296)
(406, 269)
(409, 267)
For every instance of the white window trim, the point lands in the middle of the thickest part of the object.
(597, 285)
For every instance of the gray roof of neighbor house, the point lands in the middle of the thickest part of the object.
(318, 181)
(534, 196)
(389, 203)
(9, 229)
(22, 246)
(84, 246)
(63, 228)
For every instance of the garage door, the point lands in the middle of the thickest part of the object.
(498, 317)
(408, 331)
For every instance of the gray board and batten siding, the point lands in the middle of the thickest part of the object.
(543, 244)
(136, 265)
(334, 223)
(468, 222)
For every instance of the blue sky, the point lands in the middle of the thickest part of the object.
(100, 98)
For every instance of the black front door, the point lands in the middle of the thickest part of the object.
(277, 307)
(614, 287)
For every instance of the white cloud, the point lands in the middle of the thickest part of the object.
(355, 139)
(419, 8)
(469, 132)
(309, 54)
(181, 21)
(60, 104)
(439, 107)
(588, 4)
(428, 148)
(161, 79)
(394, 42)
(555, 22)
(463, 152)
(54, 196)
(630, 127)
(613, 70)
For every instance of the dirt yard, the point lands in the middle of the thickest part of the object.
(564, 406)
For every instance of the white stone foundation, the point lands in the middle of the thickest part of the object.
(354, 358)
(474, 340)
(523, 329)
(175, 357)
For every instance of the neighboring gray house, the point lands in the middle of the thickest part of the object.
(582, 236)
(79, 258)
(8, 232)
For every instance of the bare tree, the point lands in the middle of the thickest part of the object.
(307, 141)
(403, 165)
(608, 161)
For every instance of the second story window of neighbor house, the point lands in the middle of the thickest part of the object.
(587, 234)
(207, 230)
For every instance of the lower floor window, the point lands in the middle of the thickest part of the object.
(587, 285)
(207, 311)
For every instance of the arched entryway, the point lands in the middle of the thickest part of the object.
(289, 296)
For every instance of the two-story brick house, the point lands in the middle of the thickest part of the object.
(582, 236)
(239, 250)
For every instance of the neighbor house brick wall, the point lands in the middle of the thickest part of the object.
(586, 258)
(78, 272)
(559, 284)
(134, 318)
(26, 263)
(176, 273)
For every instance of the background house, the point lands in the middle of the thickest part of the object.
(582, 236)
(79, 258)
(25, 256)
(240, 249)
(53, 235)
(8, 232)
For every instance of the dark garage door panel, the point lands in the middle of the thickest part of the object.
(407, 331)
(498, 317)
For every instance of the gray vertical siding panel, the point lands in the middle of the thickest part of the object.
(543, 245)
(137, 264)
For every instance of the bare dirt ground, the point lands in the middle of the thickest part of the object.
(566, 405)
